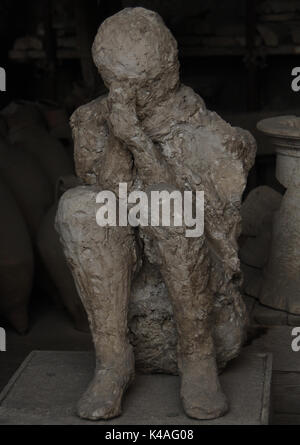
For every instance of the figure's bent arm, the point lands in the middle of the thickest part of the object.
(148, 160)
(89, 135)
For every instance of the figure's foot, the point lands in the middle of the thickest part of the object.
(103, 398)
(201, 393)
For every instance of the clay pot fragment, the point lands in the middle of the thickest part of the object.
(258, 212)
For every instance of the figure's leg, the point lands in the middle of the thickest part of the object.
(102, 260)
(185, 266)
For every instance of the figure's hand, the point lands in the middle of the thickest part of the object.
(126, 126)
(123, 117)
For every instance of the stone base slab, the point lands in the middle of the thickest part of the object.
(45, 389)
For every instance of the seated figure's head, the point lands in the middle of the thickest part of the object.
(136, 47)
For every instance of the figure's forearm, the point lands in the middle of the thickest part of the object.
(149, 162)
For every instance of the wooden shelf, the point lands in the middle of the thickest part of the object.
(23, 56)
(196, 51)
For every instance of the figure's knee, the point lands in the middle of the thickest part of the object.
(76, 222)
(174, 215)
(76, 211)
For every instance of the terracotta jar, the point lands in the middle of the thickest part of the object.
(51, 252)
(281, 279)
(16, 263)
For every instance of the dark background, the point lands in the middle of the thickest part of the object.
(237, 54)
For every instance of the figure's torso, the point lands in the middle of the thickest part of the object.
(196, 143)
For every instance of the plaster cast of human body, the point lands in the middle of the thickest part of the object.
(152, 132)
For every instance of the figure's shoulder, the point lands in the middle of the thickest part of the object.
(203, 124)
(190, 101)
(199, 114)
(94, 111)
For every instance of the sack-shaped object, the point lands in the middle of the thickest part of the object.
(54, 260)
(3, 127)
(31, 189)
(27, 129)
(58, 123)
(16, 263)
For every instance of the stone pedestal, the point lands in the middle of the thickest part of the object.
(46, 388)
(281, 280)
